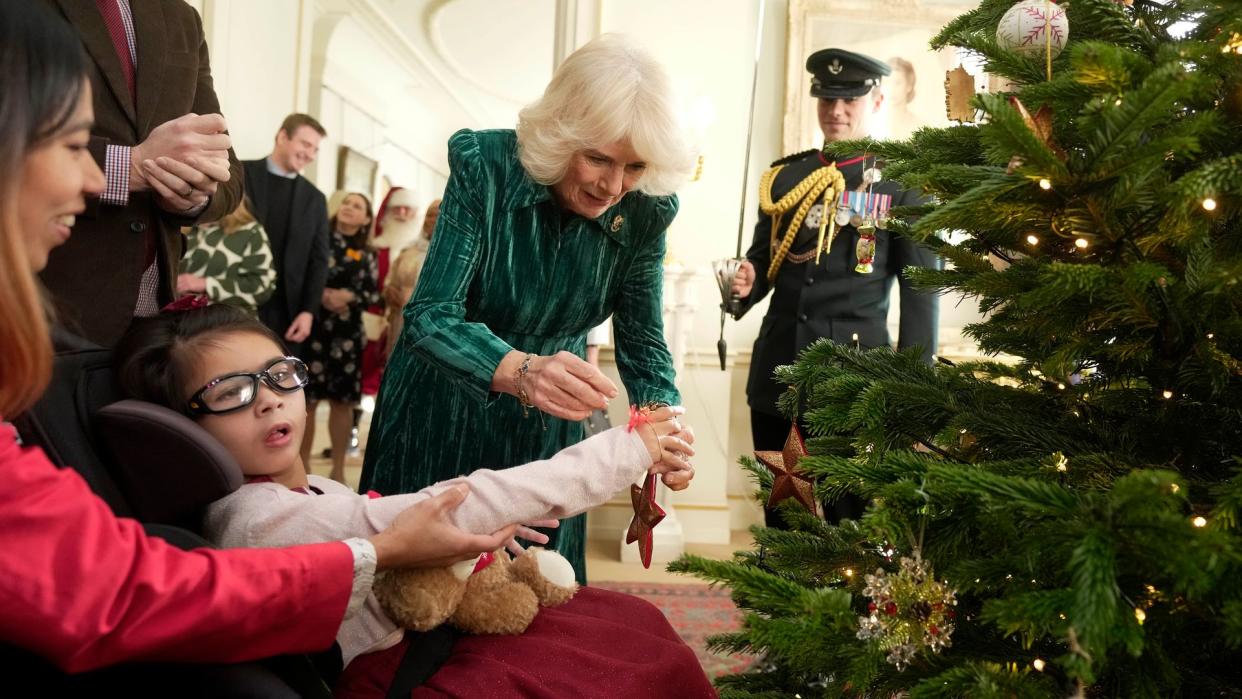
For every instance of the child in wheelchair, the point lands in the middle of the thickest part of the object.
(230, 374)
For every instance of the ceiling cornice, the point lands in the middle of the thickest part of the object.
(374, 19)
(431, 27)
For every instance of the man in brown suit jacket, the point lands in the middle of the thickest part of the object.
(167, 166)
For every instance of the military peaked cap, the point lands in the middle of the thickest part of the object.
(837, 73)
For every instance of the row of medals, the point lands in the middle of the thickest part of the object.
(866, 211)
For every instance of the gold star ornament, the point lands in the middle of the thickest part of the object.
(788, 481)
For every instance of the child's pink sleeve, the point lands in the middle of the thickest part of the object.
(574, 480)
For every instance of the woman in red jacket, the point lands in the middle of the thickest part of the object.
(79, 585)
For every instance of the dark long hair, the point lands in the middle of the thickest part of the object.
(362, 239)
(155, 357)
(42, 69)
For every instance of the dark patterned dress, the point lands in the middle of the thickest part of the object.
(334, 349)
(509, 269)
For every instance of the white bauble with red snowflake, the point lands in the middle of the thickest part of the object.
(1033, 27)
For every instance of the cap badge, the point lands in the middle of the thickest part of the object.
(616, 223)
(835, 67)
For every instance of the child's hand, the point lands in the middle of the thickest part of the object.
(535, 537)
(668, 442)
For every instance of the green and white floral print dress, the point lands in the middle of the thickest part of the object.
(237, 266)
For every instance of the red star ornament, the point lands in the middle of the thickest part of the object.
(788, 481)
(647, 514)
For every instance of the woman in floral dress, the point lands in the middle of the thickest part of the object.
(334, 350)
(229, 261)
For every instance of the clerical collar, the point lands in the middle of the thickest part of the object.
(278, 171)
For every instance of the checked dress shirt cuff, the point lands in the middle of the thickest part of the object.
(116, 170)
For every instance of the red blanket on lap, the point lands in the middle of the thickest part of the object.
(599, 644)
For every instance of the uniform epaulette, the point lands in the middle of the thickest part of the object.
(795, 156)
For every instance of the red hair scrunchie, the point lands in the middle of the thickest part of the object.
(189, 302)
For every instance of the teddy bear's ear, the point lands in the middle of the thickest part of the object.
(462, 569)
(548, 574)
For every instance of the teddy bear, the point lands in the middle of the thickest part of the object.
(487, 595)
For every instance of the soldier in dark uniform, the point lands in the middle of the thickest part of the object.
(829, 289)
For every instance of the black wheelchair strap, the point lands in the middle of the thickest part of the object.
(425, 652)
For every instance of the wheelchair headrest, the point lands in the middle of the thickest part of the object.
(62, 423)
(169, 468)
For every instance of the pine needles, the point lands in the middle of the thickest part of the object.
(1084, 497)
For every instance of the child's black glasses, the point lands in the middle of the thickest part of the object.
(235, 391)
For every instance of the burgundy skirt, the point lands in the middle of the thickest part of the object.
(599, 644)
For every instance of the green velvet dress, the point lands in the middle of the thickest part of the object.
(510, 269)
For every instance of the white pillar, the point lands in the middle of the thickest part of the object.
(680, 304)
(577, 22)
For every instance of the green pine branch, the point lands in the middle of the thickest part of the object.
(1082, 495)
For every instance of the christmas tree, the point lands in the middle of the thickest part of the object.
(1065, 520)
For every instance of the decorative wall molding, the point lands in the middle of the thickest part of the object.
(376, 21)
(707, 358)
(698, 526)
(433, 21)
(681, 304)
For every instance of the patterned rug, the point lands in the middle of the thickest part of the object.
(696, 611)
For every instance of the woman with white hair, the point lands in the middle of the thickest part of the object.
(543, 233)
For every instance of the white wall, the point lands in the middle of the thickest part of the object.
(255, 61)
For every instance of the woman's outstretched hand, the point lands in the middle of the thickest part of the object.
(422, 536)
(668, 440)
(562, 385)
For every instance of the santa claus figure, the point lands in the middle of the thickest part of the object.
(395, 228)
